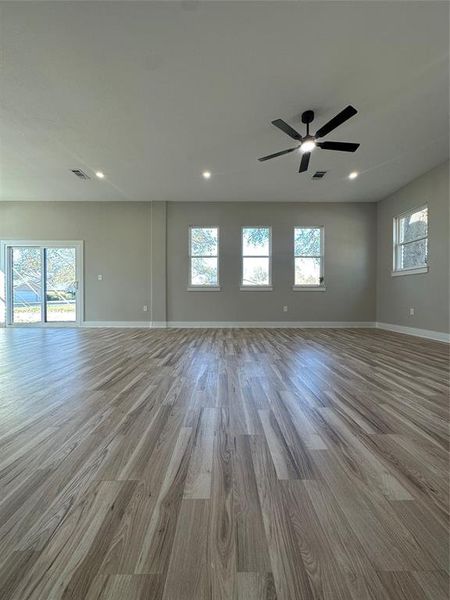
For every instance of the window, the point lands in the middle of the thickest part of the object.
(411, 241)
(204, 257)
(256, 258)
(308, 257)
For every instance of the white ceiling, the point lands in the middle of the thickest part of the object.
(154, 93)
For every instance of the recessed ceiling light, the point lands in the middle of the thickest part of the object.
(100, 175)
(206, 174)
(353, 175)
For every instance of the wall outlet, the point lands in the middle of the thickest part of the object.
(145, 308)
(285, 308)
(411, 312)
(100, 277)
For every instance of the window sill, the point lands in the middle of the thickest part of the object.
(204, 288)
(309, 288)
(256, 288)
(409, 271)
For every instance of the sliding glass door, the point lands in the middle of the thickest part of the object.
(60, 285)
(26, 284)
(43, 283)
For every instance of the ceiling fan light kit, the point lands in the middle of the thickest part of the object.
(309, 142)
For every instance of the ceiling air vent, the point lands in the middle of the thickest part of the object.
(80, 174)
(319, 175)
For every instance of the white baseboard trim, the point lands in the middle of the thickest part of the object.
(424, 333)
(135, 324)
(268, 324)
(439, 336)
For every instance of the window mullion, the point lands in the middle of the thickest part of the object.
(425, 237)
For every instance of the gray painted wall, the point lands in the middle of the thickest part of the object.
(427, 293)
(350, 263)
(141, 249)
(158, 261)
(116, 244)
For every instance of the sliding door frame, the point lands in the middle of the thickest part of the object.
(6, 255)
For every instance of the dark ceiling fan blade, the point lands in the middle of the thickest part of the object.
(341, 146)
(287, 129)
(340, 118)
(278, 154)
(304, 162)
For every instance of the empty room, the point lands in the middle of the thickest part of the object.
(224, 300)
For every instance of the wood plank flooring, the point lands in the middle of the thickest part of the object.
(223, 464)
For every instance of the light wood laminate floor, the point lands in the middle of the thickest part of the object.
(222, 464)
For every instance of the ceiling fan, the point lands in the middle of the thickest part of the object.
(309, 142)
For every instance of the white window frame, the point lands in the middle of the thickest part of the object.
(397, 245)
(258, 288)
(204, 287)
(321, 287)
(5, 252)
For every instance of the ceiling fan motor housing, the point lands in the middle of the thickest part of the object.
(308, 116)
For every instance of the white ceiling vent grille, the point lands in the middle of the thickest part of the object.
(80, 174)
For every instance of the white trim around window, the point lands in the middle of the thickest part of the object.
(320, 287)
(398, 245)
(203, 287)
(409, 272)
(252, 287)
